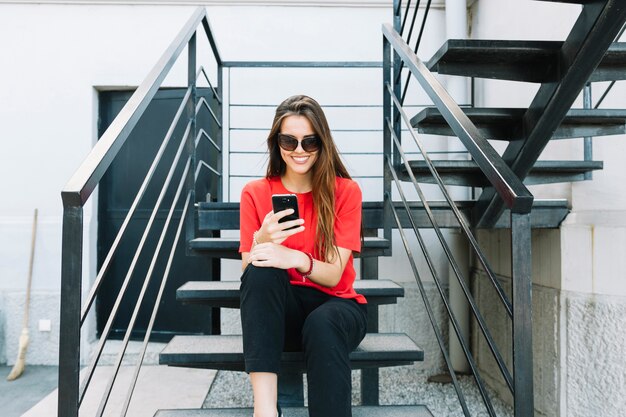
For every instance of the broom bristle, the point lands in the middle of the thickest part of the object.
(20, 363)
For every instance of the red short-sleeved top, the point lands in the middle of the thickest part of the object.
(256, 202)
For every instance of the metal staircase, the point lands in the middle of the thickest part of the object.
(562, 68)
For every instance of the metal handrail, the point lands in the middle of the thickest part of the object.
(455, 267)
(512, 191)
(85, 179)
(457, 213)
(82, 184)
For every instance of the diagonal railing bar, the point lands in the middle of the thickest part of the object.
(512, 191)
(202, 102)
(406, 15)
(131, 269)
(455, 267)
(417, 45)
(144, 288)
(464, 226)
(610, 86)
(206, 77)
(209, 34)
(86, 178)
(202, 164)
(429, 311)
(202, 132)
(451, 315)
(408, 38)
(155, 309)
(131, 211)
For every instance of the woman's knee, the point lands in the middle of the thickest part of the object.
(255, 277)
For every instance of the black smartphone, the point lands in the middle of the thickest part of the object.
(282, 202)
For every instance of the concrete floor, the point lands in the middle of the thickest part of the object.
(16, 397)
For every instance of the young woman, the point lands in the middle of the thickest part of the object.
(297, 286)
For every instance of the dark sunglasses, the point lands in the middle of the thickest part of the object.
(289, 143)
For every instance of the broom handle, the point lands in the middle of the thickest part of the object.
(30, 271)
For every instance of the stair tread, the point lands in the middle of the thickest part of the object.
(357, 411)
(506, 123)
(517, 60)
(467, 173)
(226, 352)
(226, 293)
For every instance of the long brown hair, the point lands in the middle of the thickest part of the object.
(326, 168)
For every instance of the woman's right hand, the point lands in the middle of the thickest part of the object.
(272, 231)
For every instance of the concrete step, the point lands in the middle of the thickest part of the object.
(361, 411)
(506, 123)
(528, 61)
(467, 173)
(226, 352)
(225, 294)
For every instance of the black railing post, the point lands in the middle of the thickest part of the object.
(387, 215)
(397, 88)
(191, 148)
(588, 140)
(521, 269)
(69, 343)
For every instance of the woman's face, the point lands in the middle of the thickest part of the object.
(298, 161)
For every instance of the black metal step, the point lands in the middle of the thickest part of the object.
(228, 248)
(506, 124)
(226, 352)
(359, 411)
(225, 294)
(467, 173)
(529, 61)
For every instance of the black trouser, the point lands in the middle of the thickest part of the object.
(277, 316)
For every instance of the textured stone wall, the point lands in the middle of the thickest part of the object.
(43, 347)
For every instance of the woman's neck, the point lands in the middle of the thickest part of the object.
(297, 183)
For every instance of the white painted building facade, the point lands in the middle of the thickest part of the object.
(60, 54)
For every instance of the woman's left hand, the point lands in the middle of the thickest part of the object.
(273, 255)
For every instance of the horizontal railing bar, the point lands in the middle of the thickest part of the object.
(203, 132)
(303, 64)
(131, 268)
(457, 272)
(86, 178)
(207, 166)
(512, 191)
(431, 315)
(356, 106)
(202, 102)
(142, 189)
(206, 77)
(155, 309)
(140, 298)
(457, 213)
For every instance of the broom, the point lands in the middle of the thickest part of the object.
(20, 363)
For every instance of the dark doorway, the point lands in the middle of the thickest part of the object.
(117, 191)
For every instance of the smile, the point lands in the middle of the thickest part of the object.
(300, 159)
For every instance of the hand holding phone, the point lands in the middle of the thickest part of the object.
(282, 202)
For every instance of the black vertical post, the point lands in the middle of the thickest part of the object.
(69, 343)
(190, 226)
(387, 144)
(521, 268)
(397, 86)
(370, 377)
(588, 140)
